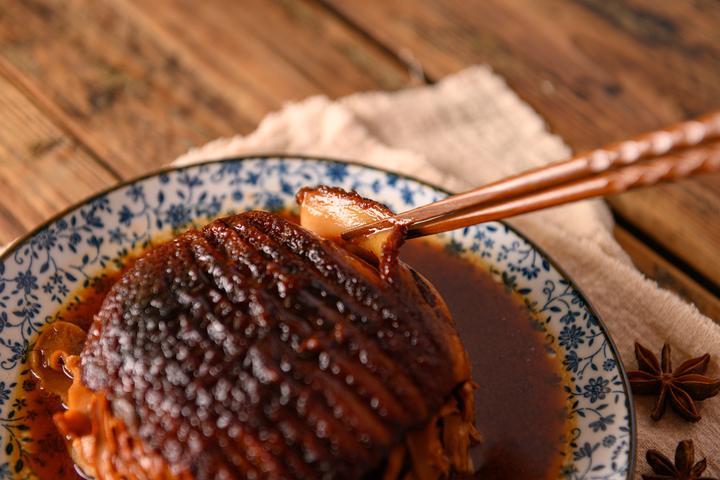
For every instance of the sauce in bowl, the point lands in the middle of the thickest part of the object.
(519, 404)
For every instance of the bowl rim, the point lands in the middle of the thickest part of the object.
(12, 246)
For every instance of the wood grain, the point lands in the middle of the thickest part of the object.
(145, 82)
(42, 170)
(667, 275)
(283, 50)
(597, 70)
(131, 99)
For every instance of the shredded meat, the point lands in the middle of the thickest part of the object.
(101, 443)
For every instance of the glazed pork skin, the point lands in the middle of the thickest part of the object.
(255, 349)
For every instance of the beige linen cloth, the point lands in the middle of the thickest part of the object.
(469, 129)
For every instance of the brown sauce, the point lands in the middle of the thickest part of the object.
(48, 457)
(46, 452)
(519, 403)
(83, 309)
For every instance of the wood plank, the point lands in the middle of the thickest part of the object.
(142, 83)
(667, 275)
(42, 170)
(286, 50)
(131, 100)
(597, 70)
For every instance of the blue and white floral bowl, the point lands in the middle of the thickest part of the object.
(39, 272)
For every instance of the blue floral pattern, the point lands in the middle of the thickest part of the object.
(40, 272)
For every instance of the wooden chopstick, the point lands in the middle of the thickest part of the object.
(704, 158)
(653, 144)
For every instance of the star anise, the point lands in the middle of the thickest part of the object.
(681, 387)
(684, 467)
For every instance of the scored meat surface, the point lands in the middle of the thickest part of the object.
(253, 348)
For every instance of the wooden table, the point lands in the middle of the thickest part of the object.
(93, 92)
